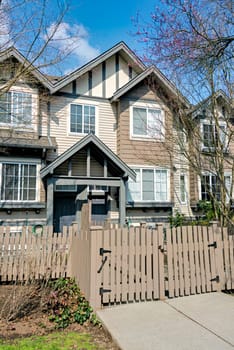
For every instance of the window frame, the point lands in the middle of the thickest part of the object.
(212, 124)
(83, 104)
(227, 174)
(185, 189)
(37, 186)
(33, 106)
(155, 200)
(147, 136)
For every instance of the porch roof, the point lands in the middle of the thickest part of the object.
(90, 140)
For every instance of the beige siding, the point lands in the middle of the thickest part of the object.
(60, 109)
(82, 85)
(97, 81)
(67, 88)
(110, 77)
(123, 72)
(96, 169)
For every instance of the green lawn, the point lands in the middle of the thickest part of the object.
(54, 341)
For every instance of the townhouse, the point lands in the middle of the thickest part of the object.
(103, 133)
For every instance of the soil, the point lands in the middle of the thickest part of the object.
(34, 321)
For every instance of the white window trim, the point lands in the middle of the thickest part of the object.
(146, 137)
(35, 108)
(38, 167)
(210, 122)
(210, 173)
(145, 167)
(185, 187)
(83, 103)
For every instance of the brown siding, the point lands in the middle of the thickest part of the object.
(141, 151)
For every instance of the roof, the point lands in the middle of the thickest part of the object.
(205, 103)
(89, 140)
(13, 52)
(158, 74)
(126, 52)
(35, 143)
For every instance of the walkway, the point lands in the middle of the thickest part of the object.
(198, 322)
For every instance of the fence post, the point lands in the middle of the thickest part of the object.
(95, 263)
(161, 249)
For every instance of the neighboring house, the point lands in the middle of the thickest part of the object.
(103, 132)
(214, 122)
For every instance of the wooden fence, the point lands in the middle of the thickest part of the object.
(124, 265)
(29, 255)
(118, 265)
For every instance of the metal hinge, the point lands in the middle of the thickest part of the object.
(103, 251)
(213, 245)
(102, 291)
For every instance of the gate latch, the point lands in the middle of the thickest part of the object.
(215, 279)
(213, 245)
(103, 251)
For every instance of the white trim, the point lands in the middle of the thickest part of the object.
(95, 105)
(154, 168)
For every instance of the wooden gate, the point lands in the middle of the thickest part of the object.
(121, 265)
(132, 266)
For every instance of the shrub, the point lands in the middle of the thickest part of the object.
(68, 305)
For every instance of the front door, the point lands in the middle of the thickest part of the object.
(64, 210)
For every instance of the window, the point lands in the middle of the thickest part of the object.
(19, 182)
(210, 186)
(82, 119)
(147, 122)
(16, 108)
(183, 195)
(211, 134)
(151, 185)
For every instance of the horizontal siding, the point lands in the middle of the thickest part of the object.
(60, 109)
(137, 151)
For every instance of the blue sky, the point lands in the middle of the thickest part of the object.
(105, 23)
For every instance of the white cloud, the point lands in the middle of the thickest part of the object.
(74, 39)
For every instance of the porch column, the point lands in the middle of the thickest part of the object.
(122, 202)
(50, 201)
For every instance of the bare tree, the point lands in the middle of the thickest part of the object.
(193, 42)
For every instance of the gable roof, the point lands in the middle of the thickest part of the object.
(126, 52)
(204, 104)
(147, 72)
(88, 140)
(13, 52)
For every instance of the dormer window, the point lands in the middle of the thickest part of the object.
(16, 108)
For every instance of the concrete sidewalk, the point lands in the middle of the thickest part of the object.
(198, 322)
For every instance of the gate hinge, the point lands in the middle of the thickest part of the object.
(215, 279)
(103, 251)
(213, 245)
(102, 291)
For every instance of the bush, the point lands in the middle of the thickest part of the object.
(68, 305)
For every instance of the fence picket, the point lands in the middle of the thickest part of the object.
(106, 267)
(231, 247)
(226, 259)
(191, 260)
(201, 259)
(149, 291)
(132, 272)
(143, 263)
(180, 261)
(175, 259)
(113, 265)
(212, 240)
(170, 264)
(196, 259)
(118, 264)
(137, 263)
(155, 259)
(124, 263)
